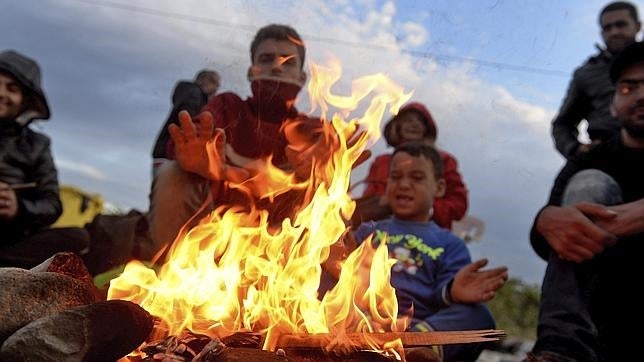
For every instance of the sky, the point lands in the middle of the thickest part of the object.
(492, 73)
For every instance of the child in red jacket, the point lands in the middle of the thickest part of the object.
(413, 123)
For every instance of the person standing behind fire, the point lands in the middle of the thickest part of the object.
(414, 123)
(590, 90)
(190, 96)
(29, 197)
(246, 130)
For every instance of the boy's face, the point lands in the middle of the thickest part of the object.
(280, 59)
(11, 97)
(412, 187)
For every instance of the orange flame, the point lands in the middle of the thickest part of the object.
(238, 271)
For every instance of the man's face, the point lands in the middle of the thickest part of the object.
(618, 29)
(628, 101)
(280, 59)
(210, 85)
(11, 97)
(412, 187)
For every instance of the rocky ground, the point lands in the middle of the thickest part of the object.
(509, 350)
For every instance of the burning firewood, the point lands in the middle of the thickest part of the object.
(200, 348)
(408, 339)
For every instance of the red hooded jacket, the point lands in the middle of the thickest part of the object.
(451, 206)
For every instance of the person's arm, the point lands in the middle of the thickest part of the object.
(377, 177)
(574, 108)
(473, 285)
(455, 257)
(569, 231)
(629, 219)
(200, 149)
(40, 206)
(453, 205)
(188, 97)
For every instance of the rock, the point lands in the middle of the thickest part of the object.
(66, 263)
(26, 296)
(103, 331)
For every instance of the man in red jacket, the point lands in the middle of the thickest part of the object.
(241, 132)
(414, 123)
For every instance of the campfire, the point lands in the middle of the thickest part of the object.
(239, 279)
(236, 272)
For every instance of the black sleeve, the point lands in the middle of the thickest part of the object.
(41, 206)
(538, 242)
(186, 96)
(574, 108)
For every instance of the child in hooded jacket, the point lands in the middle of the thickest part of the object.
(415, 123)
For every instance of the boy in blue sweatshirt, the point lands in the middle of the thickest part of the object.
(434, 272)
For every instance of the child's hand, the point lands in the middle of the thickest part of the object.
(472, 285)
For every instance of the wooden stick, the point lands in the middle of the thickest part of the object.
(409, 339)
(22, 186)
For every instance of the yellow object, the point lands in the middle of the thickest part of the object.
(79, 207)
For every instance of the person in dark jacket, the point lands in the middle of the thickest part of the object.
(592, 234)
(190, 96)
(590, 90)
(29, 198)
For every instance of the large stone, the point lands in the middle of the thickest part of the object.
(26, 296)
(103, 331)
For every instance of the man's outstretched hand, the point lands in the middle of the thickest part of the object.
(200, 149)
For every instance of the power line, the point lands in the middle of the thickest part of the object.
(252, 29)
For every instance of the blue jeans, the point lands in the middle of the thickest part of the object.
(567, 323)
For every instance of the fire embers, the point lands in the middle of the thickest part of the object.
(198, 347)
(186, 347)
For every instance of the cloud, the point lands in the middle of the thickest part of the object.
(83, 169)
(415, 35)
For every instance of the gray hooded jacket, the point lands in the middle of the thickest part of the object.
(25, 155)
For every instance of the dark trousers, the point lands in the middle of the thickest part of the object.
(582, 304)
(37, 247)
